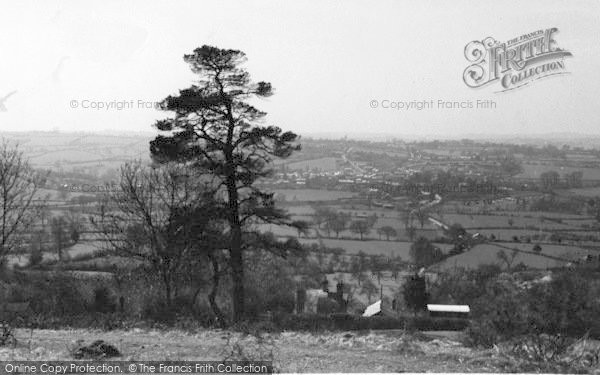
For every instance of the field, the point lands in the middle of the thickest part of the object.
(372, 247)
(44, 149)
(534, 171)
(385, 217)
(78, 250)
(496, 221)
(322, 164)
(487, 254)
(585, 192)
(538, 214)
(377, 351)
(309, 195)
(504, 225)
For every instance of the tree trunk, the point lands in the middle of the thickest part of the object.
(235, 251)
(222, 321)
(168, 289)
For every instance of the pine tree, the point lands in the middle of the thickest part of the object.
(215, 129)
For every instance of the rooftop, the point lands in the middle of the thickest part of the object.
(449, 308)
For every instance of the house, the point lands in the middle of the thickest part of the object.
(448, 311)
(321, 301)
(378, 309)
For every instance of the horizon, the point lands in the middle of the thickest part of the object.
(565, 137)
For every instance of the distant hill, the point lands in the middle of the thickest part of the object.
(57, 149)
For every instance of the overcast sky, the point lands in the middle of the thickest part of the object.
(328, 60)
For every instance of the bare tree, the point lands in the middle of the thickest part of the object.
(422, 217)
(60, 235)
(144, 218)
(19, 184)
(360, 227)
(387, 231)
(507, 259)
(406, 218)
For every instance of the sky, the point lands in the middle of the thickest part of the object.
(336, 66)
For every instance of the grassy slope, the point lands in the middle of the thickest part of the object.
(293, 352)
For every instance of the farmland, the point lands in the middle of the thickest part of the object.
(551, 256)
(323, 164)
(97, 159)
(371, 247)
(310, 195)
(309, 190)
(535, 171)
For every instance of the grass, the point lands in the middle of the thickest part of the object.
(534, 171)
(310, 195)
(322, 164)
(551, 256)
(586, 192)
(290, 351)
(372, 247)
(519, 221)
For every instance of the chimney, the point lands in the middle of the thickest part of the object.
(339, 290)
(300, 300)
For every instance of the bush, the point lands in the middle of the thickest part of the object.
(566, 306)
(327, 306)
(463, 286)
(103, 301)
(347, 322)
(53, 295)
(440, 324)
(414, 292)
(269, 286)
(482, 334)
(158, 311)
(35, 258)
(544, 316)
(500, 313)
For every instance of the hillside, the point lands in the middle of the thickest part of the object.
(291, 352)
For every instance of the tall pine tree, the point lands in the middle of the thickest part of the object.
(215, 129)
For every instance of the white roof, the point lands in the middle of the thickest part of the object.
(373, 309)
(449, 308)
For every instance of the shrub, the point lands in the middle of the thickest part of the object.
(463, 286)
(500, 313)
(327, 306)
(103, 301)
(440, 324)
(7, 336)
(53, 295)
(482, 334)
(565, 306)
(347, 322)
(158, 311)
(269, 286)
(35, 258)
(414, 292)
(543, 317)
